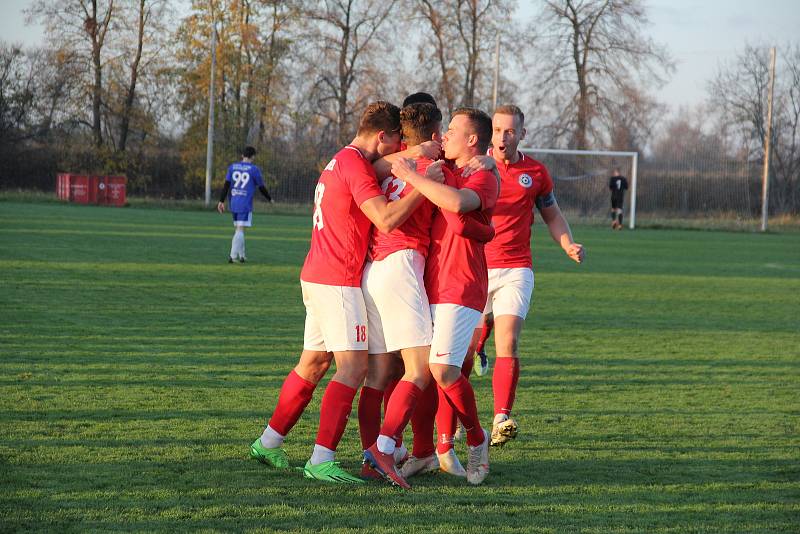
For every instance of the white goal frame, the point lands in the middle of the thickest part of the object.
(634, 170)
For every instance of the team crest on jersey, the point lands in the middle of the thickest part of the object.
(392, 187)
(525, 180)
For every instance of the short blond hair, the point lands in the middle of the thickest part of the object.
(511, 109)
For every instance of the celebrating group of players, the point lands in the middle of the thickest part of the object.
(416, 237)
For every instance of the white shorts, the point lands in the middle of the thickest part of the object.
(509, 291)
(452, 333)
(397, 304)
(243, 219)
(336, 318)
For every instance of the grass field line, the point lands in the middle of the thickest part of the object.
(138, 267)
(13, 224)
(705, 280)
(171, 235)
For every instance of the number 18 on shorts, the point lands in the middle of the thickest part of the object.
(336, 318)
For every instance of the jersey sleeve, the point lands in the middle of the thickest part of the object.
(228, 175)
(465, 225)
(485, 185)
(257, 178)
(362, 182)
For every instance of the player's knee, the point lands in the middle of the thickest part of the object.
(353, 372)
(445, 375)
(421, 377)
(379, 375)
(313, 369)
(508, 347)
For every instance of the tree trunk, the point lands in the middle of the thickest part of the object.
(97, 34)
(344, 82)
(129, 98)
(98, 78)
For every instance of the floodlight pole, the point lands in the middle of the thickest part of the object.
(767, 144)
(210, 137)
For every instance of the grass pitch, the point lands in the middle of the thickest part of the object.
(660, 387)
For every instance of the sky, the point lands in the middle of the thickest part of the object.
(700, 35)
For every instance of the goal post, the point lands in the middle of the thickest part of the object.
(556, 170)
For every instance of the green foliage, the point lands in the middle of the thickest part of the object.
(659, 387)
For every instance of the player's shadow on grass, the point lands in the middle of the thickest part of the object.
(198, 492)
(642, 472)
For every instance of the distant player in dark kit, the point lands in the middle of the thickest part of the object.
(617, 184)
(241, 181)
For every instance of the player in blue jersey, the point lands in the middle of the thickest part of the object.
(241, 181)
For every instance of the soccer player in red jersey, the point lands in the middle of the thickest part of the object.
(525, 184)
(347, 202)
(398, 308)
(455, 272)
(429, 149)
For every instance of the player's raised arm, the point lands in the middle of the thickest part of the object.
(386, 216)
(558, 227)
(428, 150)
(446, 197)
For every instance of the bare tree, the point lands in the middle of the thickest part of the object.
(739, 96)
(80, 26)
(463, 34)
(254, 76)
(347, 32)
(142, 14)
(599, 54)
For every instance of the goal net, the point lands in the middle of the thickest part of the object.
(581, 180)
(705, 187)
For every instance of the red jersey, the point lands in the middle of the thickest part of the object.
(521, 184)
(415, 233)
(340, 235)
(456, 271)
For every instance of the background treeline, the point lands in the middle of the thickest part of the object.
(121, 86)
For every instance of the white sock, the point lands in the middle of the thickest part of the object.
(400, 452)
(322, 454)
(386, 444)
(238, 239)
(271, 439)
(499, 418)
(241, 246)
(234, 246)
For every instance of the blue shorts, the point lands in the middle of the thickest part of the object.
(244, 218)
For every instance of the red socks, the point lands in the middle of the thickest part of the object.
(504, 384)
(445, 423)
(401, 405)
(462, 399)
(422, 421)
(337, 402)
(387, 393)
(295, 395)
(369, 415)
(446, 419)
(485, 333)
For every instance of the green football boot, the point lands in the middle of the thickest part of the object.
(330, 472)
(273, 457)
